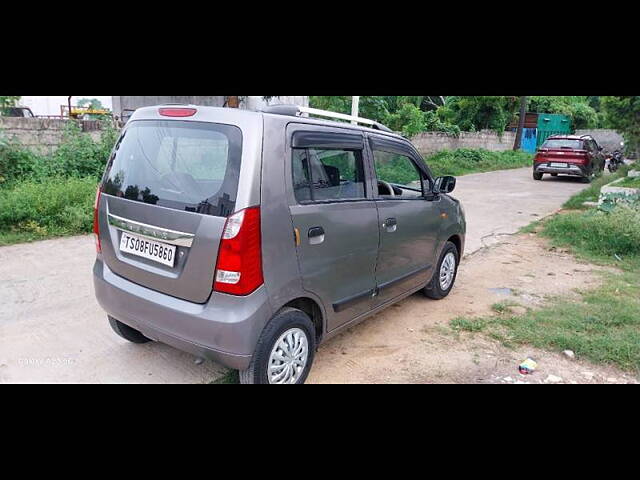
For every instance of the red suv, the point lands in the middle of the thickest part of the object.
(579, 156)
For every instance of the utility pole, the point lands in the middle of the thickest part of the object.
(355, 105)
(523, 112)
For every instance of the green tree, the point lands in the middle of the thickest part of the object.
(372, 107)
(472, 113)
(408, 115)
(623, 114)
(579, 108)
(92, 103)
(8, 101)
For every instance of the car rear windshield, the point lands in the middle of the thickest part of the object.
(192, 166)
(560, 143)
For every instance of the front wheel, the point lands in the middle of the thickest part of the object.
(445, 273)
(285, 351)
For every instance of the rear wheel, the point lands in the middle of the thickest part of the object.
(284, 353)
(445, 273)
(537, 176)
(554, 174)
(126, 332)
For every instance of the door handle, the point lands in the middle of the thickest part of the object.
(316, 235)
(390, 224)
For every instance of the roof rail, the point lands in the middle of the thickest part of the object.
(296, 111)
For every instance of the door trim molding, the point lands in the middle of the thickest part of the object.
(402, 278)
(349, 302)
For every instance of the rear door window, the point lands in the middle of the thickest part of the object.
(327, 174)
(191, 166)
(560, 143)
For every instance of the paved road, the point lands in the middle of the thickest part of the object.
(502, 202)
(52, 329)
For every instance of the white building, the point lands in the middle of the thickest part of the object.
(50, 105)
(124, 105)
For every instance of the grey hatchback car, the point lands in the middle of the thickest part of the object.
(251, 237)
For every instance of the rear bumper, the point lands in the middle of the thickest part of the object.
(570, 169)
(225, 329)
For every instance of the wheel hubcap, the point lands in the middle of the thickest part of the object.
(447, 270)
(288, 357)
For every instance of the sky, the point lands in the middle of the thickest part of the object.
(50, 105)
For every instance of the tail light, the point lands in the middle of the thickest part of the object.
(239, 265)
(580, 156)
(177, 112)
(96, 222)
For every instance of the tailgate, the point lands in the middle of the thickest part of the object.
(560, 155)
(166, 193)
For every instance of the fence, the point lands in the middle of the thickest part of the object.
(42, 135)
(428, 143)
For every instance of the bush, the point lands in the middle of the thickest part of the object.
(78, 155)
(598, 233)
(410, 120)
(465, 160)
(60, 206)
(17, 162)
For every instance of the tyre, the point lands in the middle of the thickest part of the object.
(554, 174)
(445, 273)
(537, 176)
(586, 179)
(126, 332)
(285, 350)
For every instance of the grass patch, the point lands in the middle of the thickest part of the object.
(629, 183)
(231, 377)
(592, 192)
(44, 196)
(504, 307)
(603, 326)
(31, 210)
(609, 238)
(533, 227)
(465, 160)
(468, 324)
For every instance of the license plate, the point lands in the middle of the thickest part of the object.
(156, 251)
(559, 165)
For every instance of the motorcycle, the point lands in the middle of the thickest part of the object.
(616, 160)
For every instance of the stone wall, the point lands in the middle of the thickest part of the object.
(431, 142)
(42, 135)
(609, 139)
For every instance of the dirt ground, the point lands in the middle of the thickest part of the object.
(411, 342)
(53, 331)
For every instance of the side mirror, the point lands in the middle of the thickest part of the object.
(444, 184)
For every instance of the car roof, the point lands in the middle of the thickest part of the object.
(152, 112)
(567, 137)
